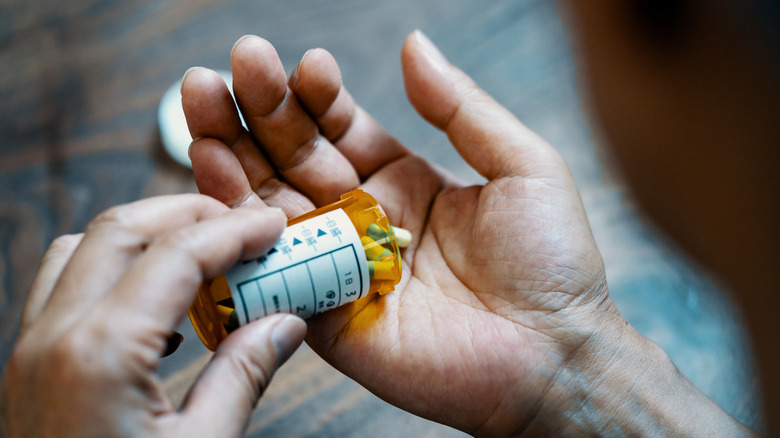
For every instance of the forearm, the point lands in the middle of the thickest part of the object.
(621, 383)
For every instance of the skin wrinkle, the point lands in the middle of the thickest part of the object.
(555, 286)
(292, 161)
(110, 282)
(282, 101)
(303, 151)
(237, 365)
(247, 137)
(539, 405)
(145, 351)
(509, 181)
(497, 163)
(133, 242)
(352, 111)
(448, 119)
(610, 360)
(398, 162)
(180, 245)
(487, 309)
(426, 219)
(270, 188)
(623, 393)
(497, 409)
(340, 336)
(463, 353)
(336, 137)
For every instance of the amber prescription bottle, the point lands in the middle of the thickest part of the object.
(324, 259)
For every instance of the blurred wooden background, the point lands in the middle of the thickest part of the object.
(79, 86)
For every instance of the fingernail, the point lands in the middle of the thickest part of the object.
(276, 211)
(294, 75)
(238, 41)
(429, 50)
(287, 336)
(296, 72)
(189, 148)
(172, 344)
(185, 76)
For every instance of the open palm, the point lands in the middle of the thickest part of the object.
(503, 283)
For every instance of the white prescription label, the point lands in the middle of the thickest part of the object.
(316, 265)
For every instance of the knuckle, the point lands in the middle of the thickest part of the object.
(71, 345)
(179, 241)
(269, 188)
(20, 361)
(180, 247)
(256, 369)
(115, 217)
(301, 152)
(65, 243)
(70, 358)
(77, 354)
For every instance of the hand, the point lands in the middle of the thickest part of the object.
(101, 308)
(502, 323)
(503, 284)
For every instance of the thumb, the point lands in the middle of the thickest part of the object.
(222, 400)
(485, 134)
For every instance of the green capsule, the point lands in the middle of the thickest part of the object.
(228, 317)
(374, 251)
(232, 321)
(376, 232)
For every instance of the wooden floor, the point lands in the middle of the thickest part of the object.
(79, 86)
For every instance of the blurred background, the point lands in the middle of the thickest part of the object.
(80, 82)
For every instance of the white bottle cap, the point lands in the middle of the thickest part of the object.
(174, 134)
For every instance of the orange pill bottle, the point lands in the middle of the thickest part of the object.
(324, 259)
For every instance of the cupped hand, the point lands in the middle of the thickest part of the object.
(503, 286)
(102, 306)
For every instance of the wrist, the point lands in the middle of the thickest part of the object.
(621, 383)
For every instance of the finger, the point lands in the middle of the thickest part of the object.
(226, 162)
(284, 131)
(156, 291)
(52, 264)
(209, 107)
(238, 374)
(317, 85)
(219, 174)
(488, 136)
(111, 243)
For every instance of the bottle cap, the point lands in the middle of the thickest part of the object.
(174, 134)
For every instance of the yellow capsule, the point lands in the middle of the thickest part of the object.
(381, 270)
(374, 251)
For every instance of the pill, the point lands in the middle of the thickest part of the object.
(402, 236)
(388, 258)
(376, 232)
(374, 251)
(227, 316)
(381, 270)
